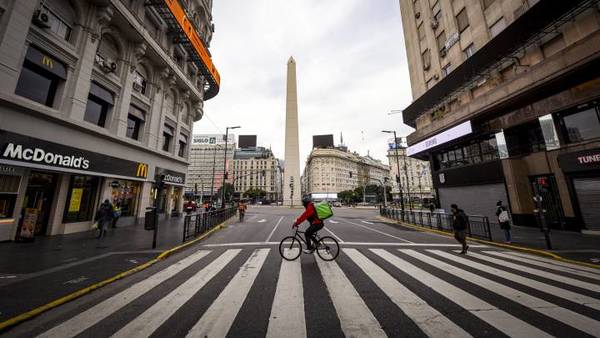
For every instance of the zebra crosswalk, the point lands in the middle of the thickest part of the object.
(371, 292)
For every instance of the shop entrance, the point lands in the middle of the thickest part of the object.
(547, 188)
(37, 204)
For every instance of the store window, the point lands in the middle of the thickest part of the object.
(40, 77)
(100, 101)
(135, 121)
(168, 132)
(183, 141)
(476, 151)
(9, 188)
(125, 195)
(81, 199)
(580, 124)
(525, 139)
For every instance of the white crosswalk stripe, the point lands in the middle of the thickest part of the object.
(145, 324)
(595, 272)
(217, 320)
(90, 317)
(428, 319)
(287, 313)
(566, 316)
(510, 325)
(355, 317)
(540, 273)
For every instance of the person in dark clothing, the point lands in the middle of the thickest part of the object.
(104, 217)
(459, 224)
(310, 215)
(503, 220)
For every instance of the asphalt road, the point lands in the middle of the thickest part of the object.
(387, 281)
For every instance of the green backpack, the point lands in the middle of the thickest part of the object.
(323, 210)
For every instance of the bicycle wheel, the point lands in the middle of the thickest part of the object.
(290, 248)
(328, 248)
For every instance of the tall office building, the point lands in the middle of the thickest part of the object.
(207, 157)
(506, 105)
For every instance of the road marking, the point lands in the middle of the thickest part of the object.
(551, 310)
(541, 273)
(333, 222)
(217, 320)
(544, 265)
(8, 277)
(274, 228)
(366, 222)
(151, 319)
(287, 313)
(428, 319)
(507, 323)
(76, 280)
(531, 283)
(380, 232)
(95, 314)
(334, 235)
(355, 317)
(555, 262)
(217, 245)
(262, 220)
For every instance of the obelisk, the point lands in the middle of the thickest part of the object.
(291, 175)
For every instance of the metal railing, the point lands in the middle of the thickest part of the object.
(198, 223)
(477, 226)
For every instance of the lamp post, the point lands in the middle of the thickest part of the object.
(212, 180)
(398, 169)
(225, 165)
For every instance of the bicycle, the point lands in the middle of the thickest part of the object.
(242, 214)
(290, 247)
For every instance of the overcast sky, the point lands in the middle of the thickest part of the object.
(351, 70)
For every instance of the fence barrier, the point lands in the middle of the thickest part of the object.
(198, 223)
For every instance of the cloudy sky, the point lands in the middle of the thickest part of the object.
(351, 69)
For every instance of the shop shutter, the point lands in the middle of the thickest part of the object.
(588, 196)
(474, 199)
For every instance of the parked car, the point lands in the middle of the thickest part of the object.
(337, 204)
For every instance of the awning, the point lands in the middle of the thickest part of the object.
(47, 62)
(137, 112)
(101, 93)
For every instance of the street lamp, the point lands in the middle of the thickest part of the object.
(397, 168)
(225, 165)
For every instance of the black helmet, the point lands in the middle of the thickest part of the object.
(306, 200)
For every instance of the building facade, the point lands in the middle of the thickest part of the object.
(97, 99)
(332, 170)
(207, 157)
(415, 176)
(506, 106)
(257, 168)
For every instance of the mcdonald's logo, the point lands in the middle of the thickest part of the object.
(47, 62)
(142, 170)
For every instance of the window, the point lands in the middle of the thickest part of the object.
(446, 69)
(108, 52)
(58, 25)
(81, 199)
(421, 31)
(581, 124)
(477, 151)
(37, 84)
(183, 140)
(167, 137)
(9, 187)
(135, 120)
(469, 51)
(169, 106)
(100, 101)
(525, 139)
(437, 12)
(441, 41)
(487, 3)
(426, 59)
(497, 27)
(139, 82)
(462, 20)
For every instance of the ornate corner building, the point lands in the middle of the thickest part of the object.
(507, 105)
(97, 98)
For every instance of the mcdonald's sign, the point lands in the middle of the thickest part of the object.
(142, 170)
(46, 61)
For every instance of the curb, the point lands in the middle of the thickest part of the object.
(74, 295)
(538, 252)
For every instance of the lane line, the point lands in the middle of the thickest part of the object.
(95, 314)
(333, 222)
(540, 273)
(287, 313)
(274, 228)
(571, 318)
(367, 222)
(505, 322)
(552, 265)
(443, 245)
(380, 232)
(150, 320)
(355, 317)
(531, 283)
(428, 319)
(262, 220)
(334, 235)
(219, 317)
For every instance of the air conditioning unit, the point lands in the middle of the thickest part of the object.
(436, 76)
(137, 86)
(417, 15)
(434, 24)
(108, 66)
(41, 18)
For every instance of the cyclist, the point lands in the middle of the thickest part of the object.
(242, 210)
(310, 215)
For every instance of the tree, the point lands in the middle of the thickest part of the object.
(255, 193)
(228, 192)
(347, 196)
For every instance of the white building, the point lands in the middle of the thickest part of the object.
(207, 156)
(415, 175)
(257, 168)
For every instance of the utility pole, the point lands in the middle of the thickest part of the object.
(225, 165)
(398, 169)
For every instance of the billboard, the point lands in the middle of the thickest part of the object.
(247, 141)
(209, 139)
(323, 141)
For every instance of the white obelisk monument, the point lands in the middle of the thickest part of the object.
(291, 175)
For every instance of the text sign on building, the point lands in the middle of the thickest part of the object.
(31, 151)
(580, 161)
(211, 139)
(453, 133)
(170, 176)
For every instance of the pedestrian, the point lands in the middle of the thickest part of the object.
(104, 217)
(188, 207)
(431, 207)
(504, 220)
(459, 224)
(116, 214)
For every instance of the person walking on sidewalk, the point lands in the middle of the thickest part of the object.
(503, 220)
(459, 224)
(104, 217)
(116, 214)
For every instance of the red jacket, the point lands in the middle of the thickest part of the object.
(309, 214)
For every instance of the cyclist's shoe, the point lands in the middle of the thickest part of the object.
(308, 251)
